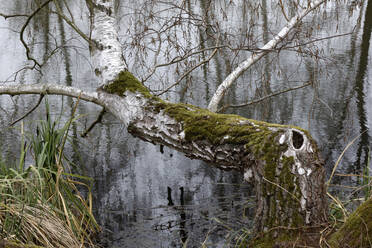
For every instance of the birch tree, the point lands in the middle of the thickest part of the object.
(283, 162)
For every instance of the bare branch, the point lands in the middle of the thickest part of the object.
(71, 23)
(283, 11)
(30, 111)
(179, 58)
(263, 98)
(98, 120)
(188, 72)
(245, 65)
(48, 89)
(12, 16)
(316, 40)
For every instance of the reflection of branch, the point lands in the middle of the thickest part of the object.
(98, 120)
(23, 30)
(4, 110)
(263, 98)
(29, 112)
(11, 16)
(178, 59)
(189, 71)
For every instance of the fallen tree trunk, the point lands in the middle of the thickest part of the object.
(282, 161)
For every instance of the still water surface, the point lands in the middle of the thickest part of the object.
(149, 196)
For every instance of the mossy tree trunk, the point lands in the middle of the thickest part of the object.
(281, 161)
(356, 231)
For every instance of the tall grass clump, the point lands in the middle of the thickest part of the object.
(41, 203)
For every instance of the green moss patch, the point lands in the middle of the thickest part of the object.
(261, 139)
(203, 125)
(357, 230)
(126, 82)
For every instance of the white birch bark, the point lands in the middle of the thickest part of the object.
(245, 65)
(106, 50)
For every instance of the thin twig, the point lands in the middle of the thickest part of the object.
(277, 185)
(283, 11)
(263, 98)
(71, 23)
(188, 72)
(316, 40)
(30, 111)
(178, 59)
(12, 16)
(339, 159)
(98, 120)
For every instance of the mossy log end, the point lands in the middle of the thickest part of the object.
(356, 232)
(281, 160)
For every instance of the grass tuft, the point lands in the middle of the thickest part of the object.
(41, 204)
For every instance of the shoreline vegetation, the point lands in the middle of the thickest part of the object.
(41, 205)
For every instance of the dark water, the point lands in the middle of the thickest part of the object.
(148, 196)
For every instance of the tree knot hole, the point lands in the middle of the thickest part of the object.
(297, 139)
